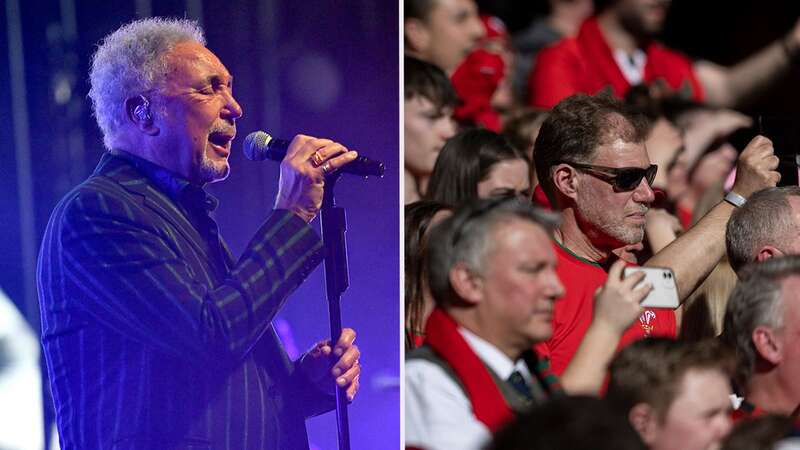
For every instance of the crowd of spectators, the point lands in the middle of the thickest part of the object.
(539, 166)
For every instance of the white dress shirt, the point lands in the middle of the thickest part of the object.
(438, 415)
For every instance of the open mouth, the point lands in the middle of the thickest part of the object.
(222, 140)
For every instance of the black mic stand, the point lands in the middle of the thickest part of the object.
(334, 224)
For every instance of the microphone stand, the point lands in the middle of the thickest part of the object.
(334, 224)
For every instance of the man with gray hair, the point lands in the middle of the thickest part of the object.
(762, 322)
(492, 276)
(767, 226)
(154, 335)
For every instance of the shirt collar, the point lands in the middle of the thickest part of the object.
(631, 64)
(500, 364)
(178, 188)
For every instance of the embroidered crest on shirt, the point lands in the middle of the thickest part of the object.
(644, 321)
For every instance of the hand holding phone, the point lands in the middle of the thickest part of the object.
(664, 293)
(617, 302)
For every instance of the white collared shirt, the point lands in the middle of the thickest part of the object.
(438, 415)
(631, 65)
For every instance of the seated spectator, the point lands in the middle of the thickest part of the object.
(420, 217)
(492, 276)
(479, 163)
(762, 322)
(675, 394)
(617, 49)
(574, 423)
(563, 19)
(765, 227)
(482, 80)
(593, 165)
(700, 134)
(441, 32)
(428, 123)
(521, 132)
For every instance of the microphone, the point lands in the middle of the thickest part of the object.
(259, 146)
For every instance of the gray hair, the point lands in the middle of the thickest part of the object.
(465, 237)
(129, 62)
(765, 219)
(756, 301)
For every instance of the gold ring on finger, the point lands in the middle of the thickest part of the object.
(317, 159)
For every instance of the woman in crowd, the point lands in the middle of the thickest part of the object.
(420, 217)
(479, 163)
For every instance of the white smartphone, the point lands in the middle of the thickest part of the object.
(664, 293)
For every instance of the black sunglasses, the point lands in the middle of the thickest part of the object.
(622, 179)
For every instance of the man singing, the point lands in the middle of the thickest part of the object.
(154, 335)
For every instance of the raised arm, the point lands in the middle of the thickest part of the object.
(732, 86)
(693, 255)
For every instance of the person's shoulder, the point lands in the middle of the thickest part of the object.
(562, 48)
(666, 54)
(99, 195)
(423, 362)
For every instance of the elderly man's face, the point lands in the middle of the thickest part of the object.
(450, 32)
(698, 418)
(614, 219)
(519, 286)
(199, 114)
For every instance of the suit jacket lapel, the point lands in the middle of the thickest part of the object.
(134, 182)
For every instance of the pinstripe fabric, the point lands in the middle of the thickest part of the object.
(151, 341)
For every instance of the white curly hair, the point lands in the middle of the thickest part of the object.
(129, 62)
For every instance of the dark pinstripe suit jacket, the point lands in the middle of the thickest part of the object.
(149, 343)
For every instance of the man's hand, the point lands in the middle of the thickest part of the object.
(308, 160)
(323, 370)
(756, 167)
(617, 303)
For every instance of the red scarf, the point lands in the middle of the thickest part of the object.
(488, 403)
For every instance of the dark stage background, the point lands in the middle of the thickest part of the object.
(323, 68)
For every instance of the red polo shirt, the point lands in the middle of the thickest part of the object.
(586, 64)
(573, 313)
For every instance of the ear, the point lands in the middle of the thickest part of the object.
(766, 252)
(140, 113)
(767, 344)
(644, 420)
(416, 34)
(466, 283)
(565, 180)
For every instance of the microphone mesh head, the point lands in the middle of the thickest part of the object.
(255, 145)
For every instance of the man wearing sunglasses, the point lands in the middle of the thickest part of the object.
(593, 165)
